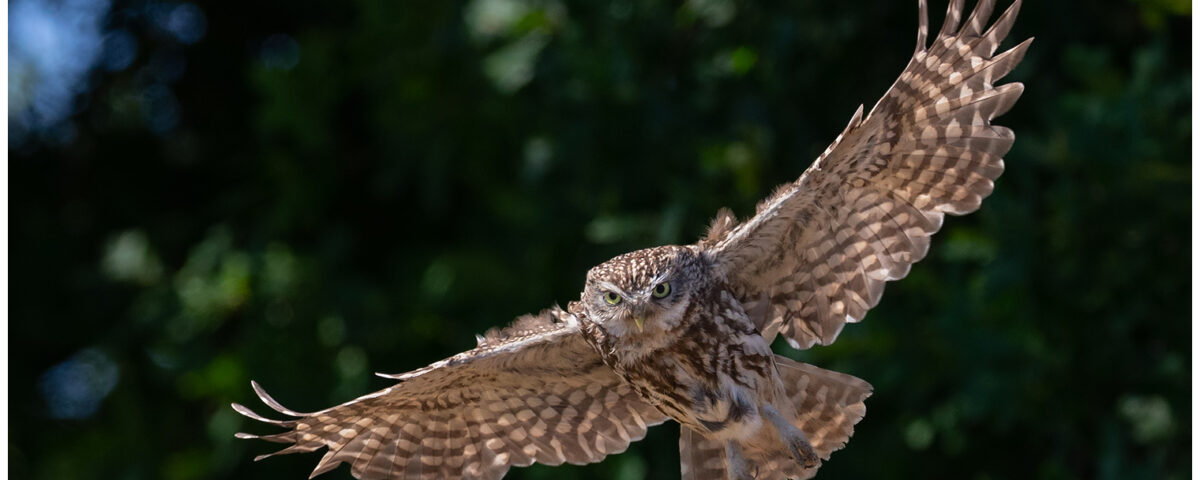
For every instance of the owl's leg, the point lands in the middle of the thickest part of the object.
(735, 463)
(795, 440)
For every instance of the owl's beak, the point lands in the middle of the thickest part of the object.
(638, 321)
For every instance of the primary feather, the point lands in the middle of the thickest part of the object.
(535, 392)
(818, 251)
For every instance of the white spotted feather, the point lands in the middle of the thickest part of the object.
(818, 252)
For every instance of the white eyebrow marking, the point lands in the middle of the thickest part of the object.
(660, 278)
(609, 286)
(648, 289)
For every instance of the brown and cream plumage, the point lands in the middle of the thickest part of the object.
(684, 332)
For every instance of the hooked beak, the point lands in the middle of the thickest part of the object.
(638, 321)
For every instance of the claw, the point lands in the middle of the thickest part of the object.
(803, 452)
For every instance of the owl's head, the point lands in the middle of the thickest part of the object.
(643, 293)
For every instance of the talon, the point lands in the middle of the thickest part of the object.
(803, 452)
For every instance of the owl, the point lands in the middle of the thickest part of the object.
(683, 333)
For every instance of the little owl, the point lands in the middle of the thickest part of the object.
(684, 332)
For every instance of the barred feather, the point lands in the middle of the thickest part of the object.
(818, 252)
(535, 392)
(828, 405)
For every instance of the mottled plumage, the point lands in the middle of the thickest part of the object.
(534, 392)
(684, 332)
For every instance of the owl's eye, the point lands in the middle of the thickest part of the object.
(612, 298)
(662, 290)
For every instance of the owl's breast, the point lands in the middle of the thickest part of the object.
(711, 376)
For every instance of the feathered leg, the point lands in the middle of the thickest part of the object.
(737, 467)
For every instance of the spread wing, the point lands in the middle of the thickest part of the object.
(817, 253)
(534, 392)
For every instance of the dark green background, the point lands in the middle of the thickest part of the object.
(427, 170)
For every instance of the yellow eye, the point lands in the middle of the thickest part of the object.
(612, 298)
(662, 290)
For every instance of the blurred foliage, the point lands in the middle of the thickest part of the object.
(351, 187)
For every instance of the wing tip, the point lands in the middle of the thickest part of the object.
(922, 26)
(251, 414)
(271, 402)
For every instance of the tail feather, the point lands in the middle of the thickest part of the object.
(828, 405)
(700, 458)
